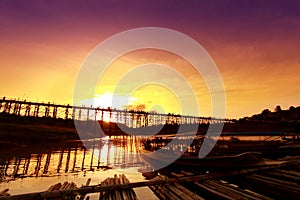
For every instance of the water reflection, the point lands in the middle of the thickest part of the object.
(54, 159)
(71, 157)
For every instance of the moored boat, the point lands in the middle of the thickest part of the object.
(165, 158)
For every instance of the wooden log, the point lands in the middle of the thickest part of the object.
(260, 196)
(127, 191)
(179, 193)
(276, 189)
(54, 187)
(101, 188)
(188, 192)
(261, 188)
(57, 186)
(104, 195)
(213, 192)
(4, 192)
(123, 192)
(176, 175)
(117, 192)
(187, 173)
(111, 194)
(130, 191)
(283, 175)
(64, 185)
(281, 182)
(289, 172)
(51, 188)
(235, 192)
(157, 190)
(88, 182)
(116, 179)
(165, 188)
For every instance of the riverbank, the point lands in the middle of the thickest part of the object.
(19, 130)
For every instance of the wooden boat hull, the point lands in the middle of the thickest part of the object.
(246, 159)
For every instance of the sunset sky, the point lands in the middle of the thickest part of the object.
(255, 45)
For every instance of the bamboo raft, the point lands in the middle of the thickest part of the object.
(125, 194)
(281, 182)
(263, 182)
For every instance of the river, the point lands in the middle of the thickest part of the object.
(36, 167)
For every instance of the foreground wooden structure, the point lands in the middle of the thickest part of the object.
(276, 182)
(188, 185)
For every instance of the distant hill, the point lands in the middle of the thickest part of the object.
(279, 115)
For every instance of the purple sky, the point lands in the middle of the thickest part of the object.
(254, 43)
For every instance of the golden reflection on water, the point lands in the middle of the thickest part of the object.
(36, 167)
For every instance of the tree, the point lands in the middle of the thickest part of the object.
(292, 109)
(265, 112)
(277, 108)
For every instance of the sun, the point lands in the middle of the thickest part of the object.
(108, 101)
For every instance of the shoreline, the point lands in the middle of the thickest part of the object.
(20, 130)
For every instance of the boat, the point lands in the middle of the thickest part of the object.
(163, 158)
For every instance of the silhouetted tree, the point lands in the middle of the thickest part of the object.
(292, 109)
(265, 113)
(278, 108)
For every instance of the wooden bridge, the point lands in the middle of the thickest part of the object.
(130, 118)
